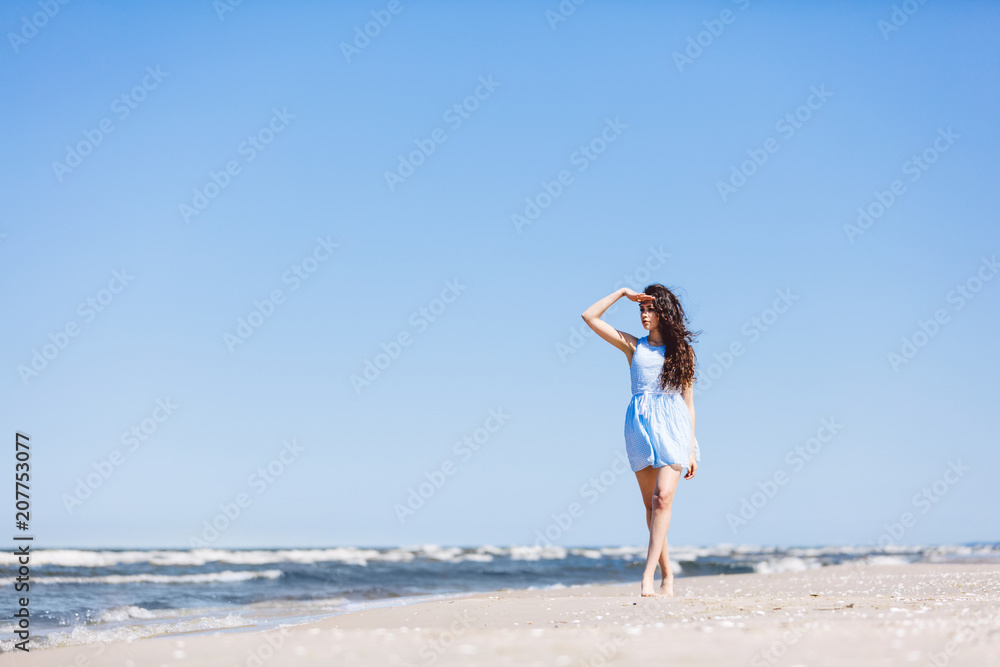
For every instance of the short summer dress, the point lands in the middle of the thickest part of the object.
(657, 422)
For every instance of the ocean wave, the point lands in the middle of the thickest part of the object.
(363, 556)
(786, 564)
(123, 613)
(83, 634)
(875, 559)
(196, 557)
(538, 552)
(226, 576)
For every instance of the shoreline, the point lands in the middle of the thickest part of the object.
(273, 620)
(867, 614)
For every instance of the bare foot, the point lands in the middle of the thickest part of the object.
(647, 588)
(667, 586)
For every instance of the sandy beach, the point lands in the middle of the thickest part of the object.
(864, 614)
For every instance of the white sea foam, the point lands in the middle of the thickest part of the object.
(123, 613)
(226, 576)
(492, 550)
(360, 556)
(83, 634)
(197, 557)
(886, 560)
(538, 552)
(786, 564)
(478, 558)
(622, 552)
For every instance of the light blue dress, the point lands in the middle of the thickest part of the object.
(657, 422)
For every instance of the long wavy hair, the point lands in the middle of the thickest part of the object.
(679, 358)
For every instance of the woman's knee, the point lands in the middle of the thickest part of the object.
(662, 499)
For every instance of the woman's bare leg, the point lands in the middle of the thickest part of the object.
(663, 498)
(647, 483)
(666, 572)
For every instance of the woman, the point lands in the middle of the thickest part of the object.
(659, 422)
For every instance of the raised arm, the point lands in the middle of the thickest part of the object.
(592, 316)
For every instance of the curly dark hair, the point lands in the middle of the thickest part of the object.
(679, 358)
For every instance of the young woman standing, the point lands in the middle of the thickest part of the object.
(659, 421)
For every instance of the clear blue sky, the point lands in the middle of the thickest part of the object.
(343, 121)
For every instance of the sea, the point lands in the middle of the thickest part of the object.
(92, 596)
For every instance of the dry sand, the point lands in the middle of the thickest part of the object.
(926, 614)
